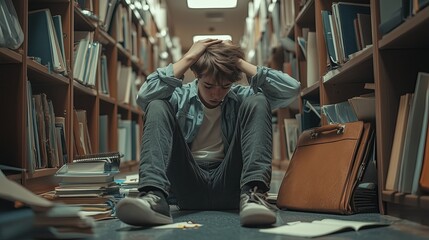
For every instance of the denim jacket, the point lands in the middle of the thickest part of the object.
(279, 88)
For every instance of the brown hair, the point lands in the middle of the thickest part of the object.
(220, 62)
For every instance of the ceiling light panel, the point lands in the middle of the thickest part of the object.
(212, 3)
(221, 37)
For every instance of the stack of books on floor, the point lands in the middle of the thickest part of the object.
(88, 182)
(129, 185)
(24, 215)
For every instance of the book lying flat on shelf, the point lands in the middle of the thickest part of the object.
(319, 228)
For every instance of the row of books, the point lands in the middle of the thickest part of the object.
(47, 138)
(45, 40)
(86, 54)
(128, 135)
(408, 170)
(46, 145)
(347, 30)
(127, 80)
(46, 43)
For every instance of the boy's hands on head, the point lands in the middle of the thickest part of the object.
(227, 42)
(198, 48)
(193, 54)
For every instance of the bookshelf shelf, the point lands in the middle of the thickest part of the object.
(9, 56)
(41, 73)
(82, 22)
(79, 89)
(122, 52)
(107, 99)
(412, 33)
(15, 177)
(42, 173)
(406, 199)
(356, 70)
(103, 37)
(311, 92)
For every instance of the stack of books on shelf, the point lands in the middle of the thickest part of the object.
(88, 182)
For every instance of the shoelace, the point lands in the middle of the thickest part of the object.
(258, 197)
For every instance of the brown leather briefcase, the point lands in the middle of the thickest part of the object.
(326, 168)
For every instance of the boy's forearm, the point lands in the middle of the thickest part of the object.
(247, 68)
(181, 66)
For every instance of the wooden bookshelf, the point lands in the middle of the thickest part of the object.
(65, 92)
(378, 64)
(391, 63)
(405, 43)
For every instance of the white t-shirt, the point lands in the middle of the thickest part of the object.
(208, 142)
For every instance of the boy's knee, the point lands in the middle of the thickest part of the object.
(157, 109)
(255, 102)
(157, 105)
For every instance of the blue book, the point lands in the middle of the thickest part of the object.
(59, 32)
(345, 13)
(42, 41)
(329, 40)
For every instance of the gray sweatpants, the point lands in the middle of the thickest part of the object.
(166, 161)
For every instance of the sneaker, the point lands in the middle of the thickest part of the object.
(148, 209)
(255, 210)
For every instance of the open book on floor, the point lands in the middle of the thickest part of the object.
(319, 228)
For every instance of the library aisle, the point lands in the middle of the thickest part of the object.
(73, 68)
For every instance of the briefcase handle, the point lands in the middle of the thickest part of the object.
(327, 128)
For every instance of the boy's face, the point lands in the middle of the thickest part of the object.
(212, 92)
